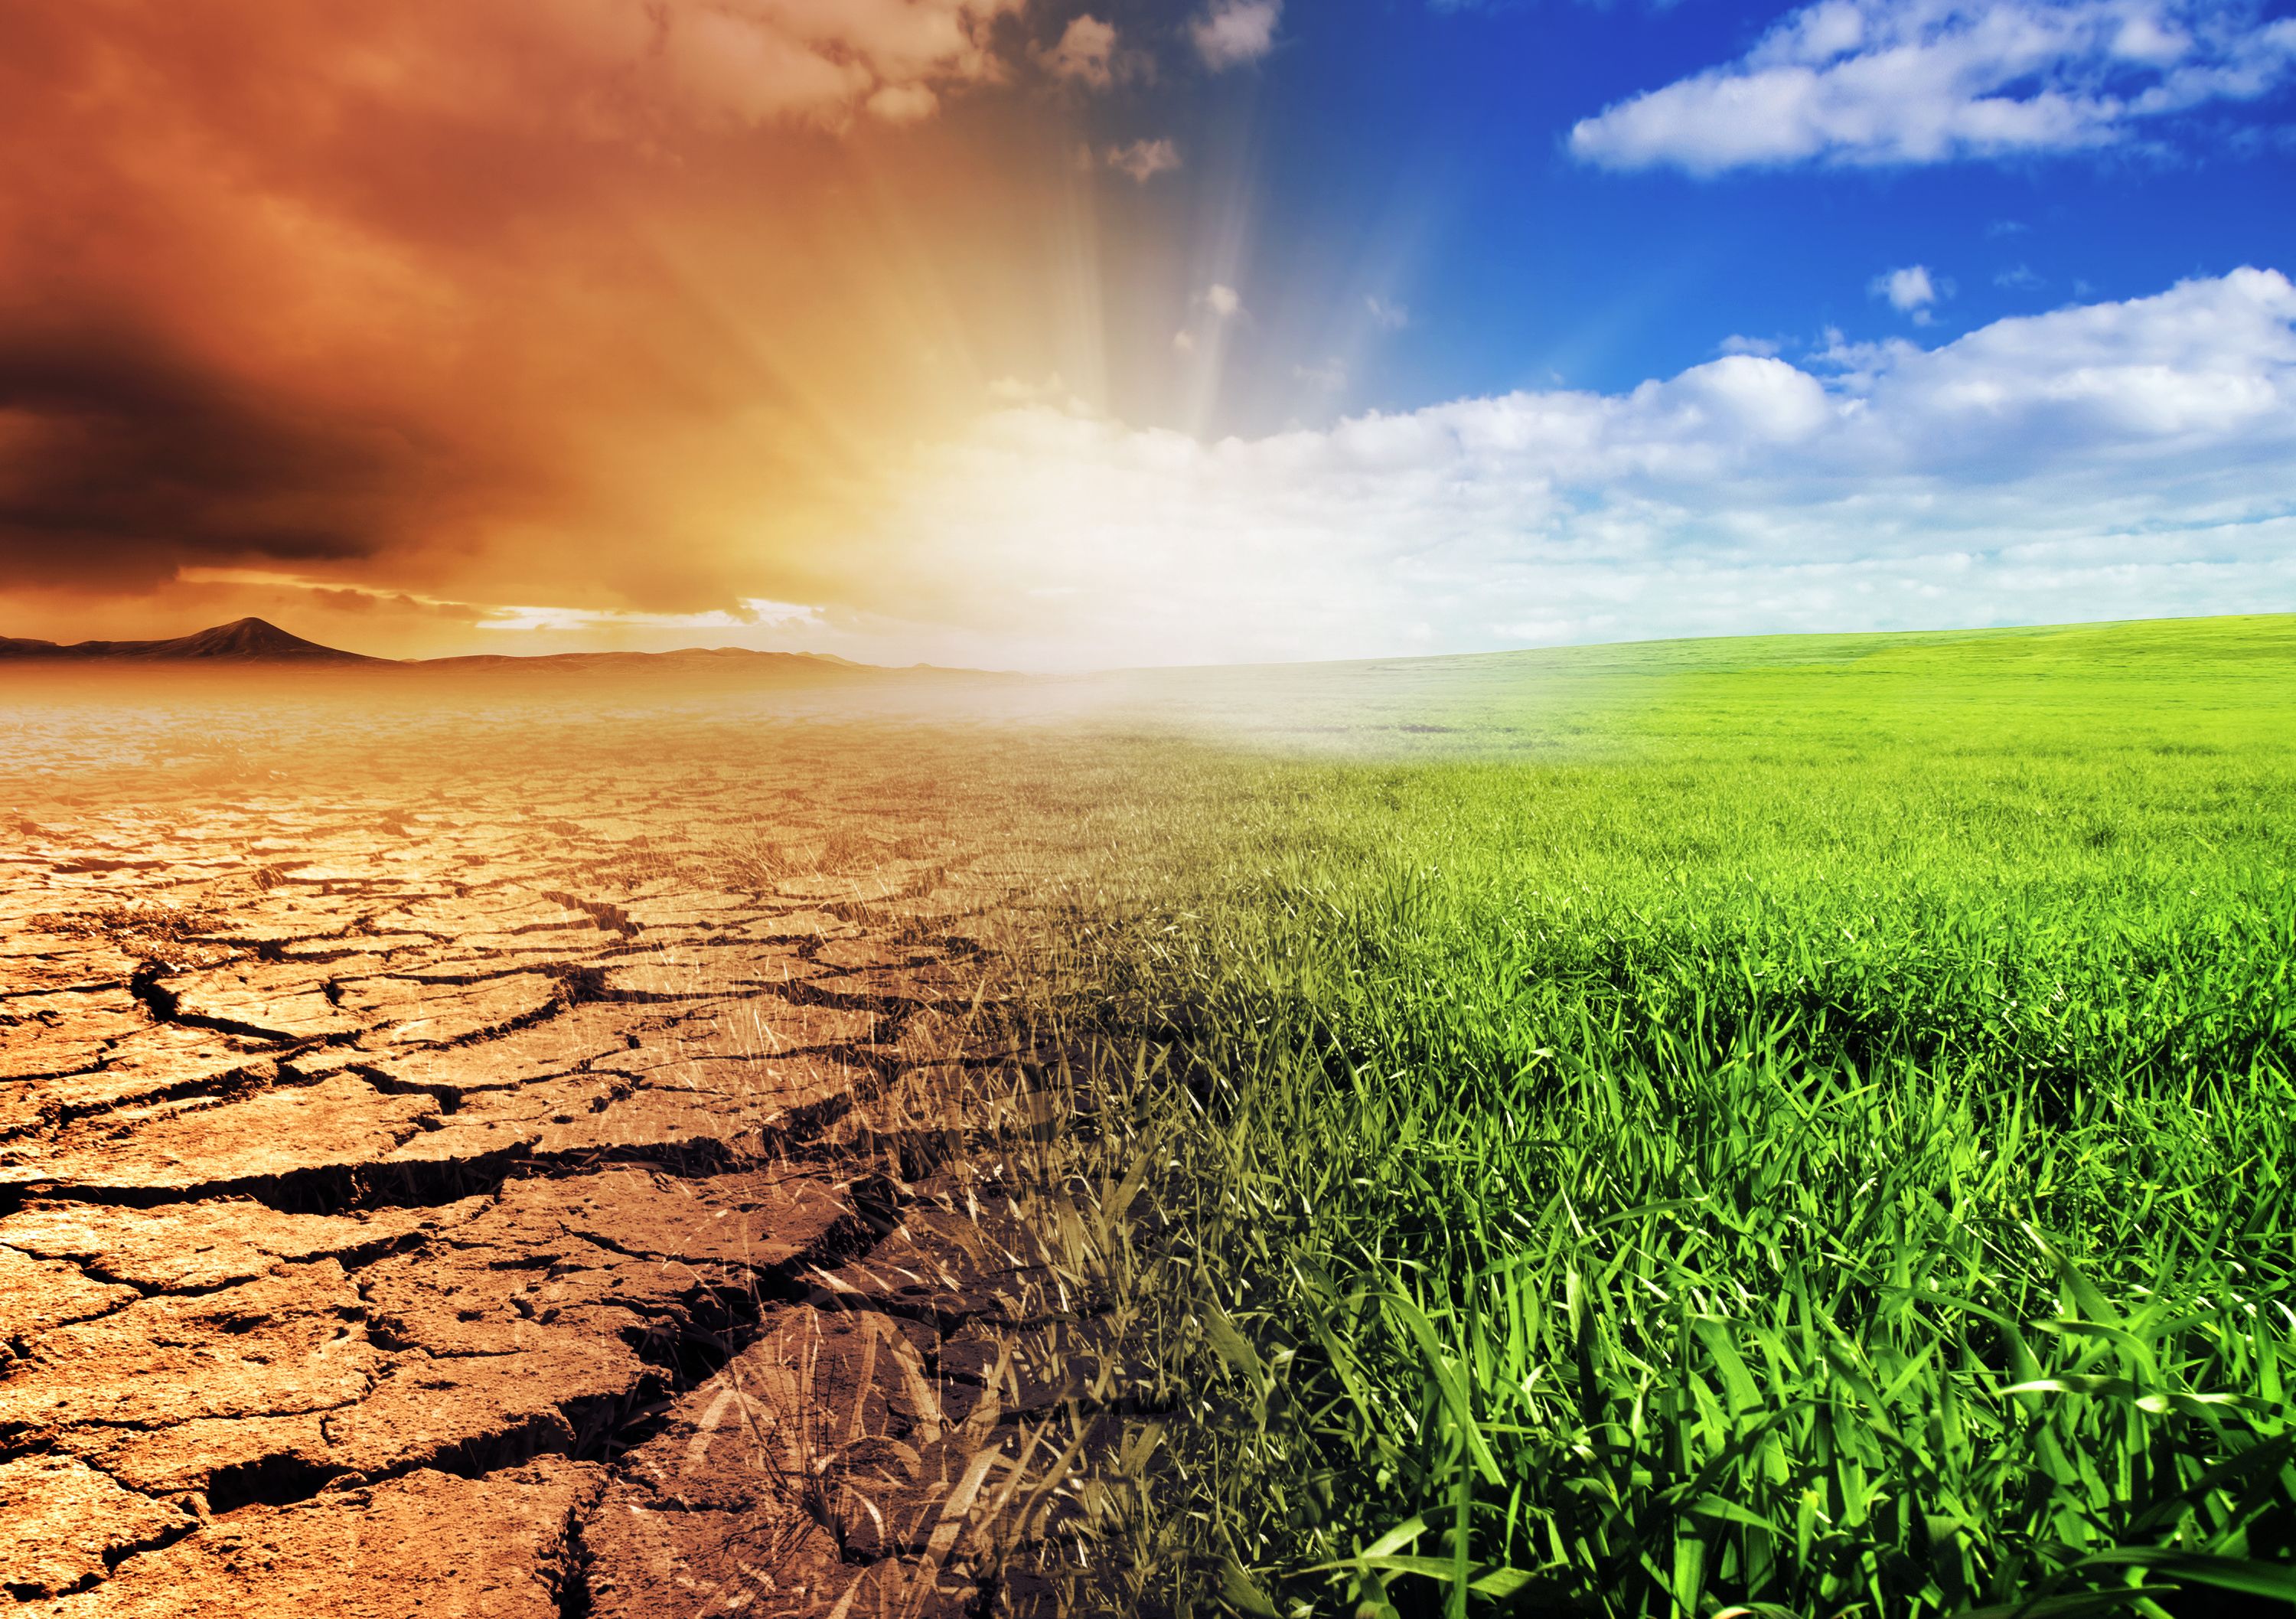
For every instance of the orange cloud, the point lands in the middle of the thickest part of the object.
(613, 305)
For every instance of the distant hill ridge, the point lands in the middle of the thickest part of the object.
(241, 641)
(261, 641)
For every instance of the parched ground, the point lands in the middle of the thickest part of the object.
(502, 1160)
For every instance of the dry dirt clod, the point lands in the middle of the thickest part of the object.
(62, 1523)
(494, 1548)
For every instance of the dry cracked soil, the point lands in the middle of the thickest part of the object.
(520, 1157)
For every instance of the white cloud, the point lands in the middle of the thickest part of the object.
(1229, 33)
(1185, 341)
(1762, 348)
(1909, 289)
(1924, 81)
(2019, 278)
(1329, 377)
(2116, 459)
(1387, 317)
(1222, 301)
(751, 612)
(1144, 160)
(1086, 53)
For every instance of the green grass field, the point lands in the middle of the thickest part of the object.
(1795, 1126)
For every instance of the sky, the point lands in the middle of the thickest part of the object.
(1073, 333)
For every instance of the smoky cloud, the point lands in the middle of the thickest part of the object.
(466, 297)
(127, 462)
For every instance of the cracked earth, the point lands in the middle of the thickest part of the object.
(490, 1164)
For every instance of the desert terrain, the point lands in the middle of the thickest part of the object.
(475, 1154)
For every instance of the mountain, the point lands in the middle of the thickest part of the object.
(242, 641)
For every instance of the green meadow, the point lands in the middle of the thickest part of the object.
(1792, 1126)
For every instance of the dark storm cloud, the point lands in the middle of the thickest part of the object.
(123, 463)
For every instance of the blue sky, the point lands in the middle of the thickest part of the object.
(1523, 323)
(1427, 150)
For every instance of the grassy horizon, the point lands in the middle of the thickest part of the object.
(1789, 1127)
